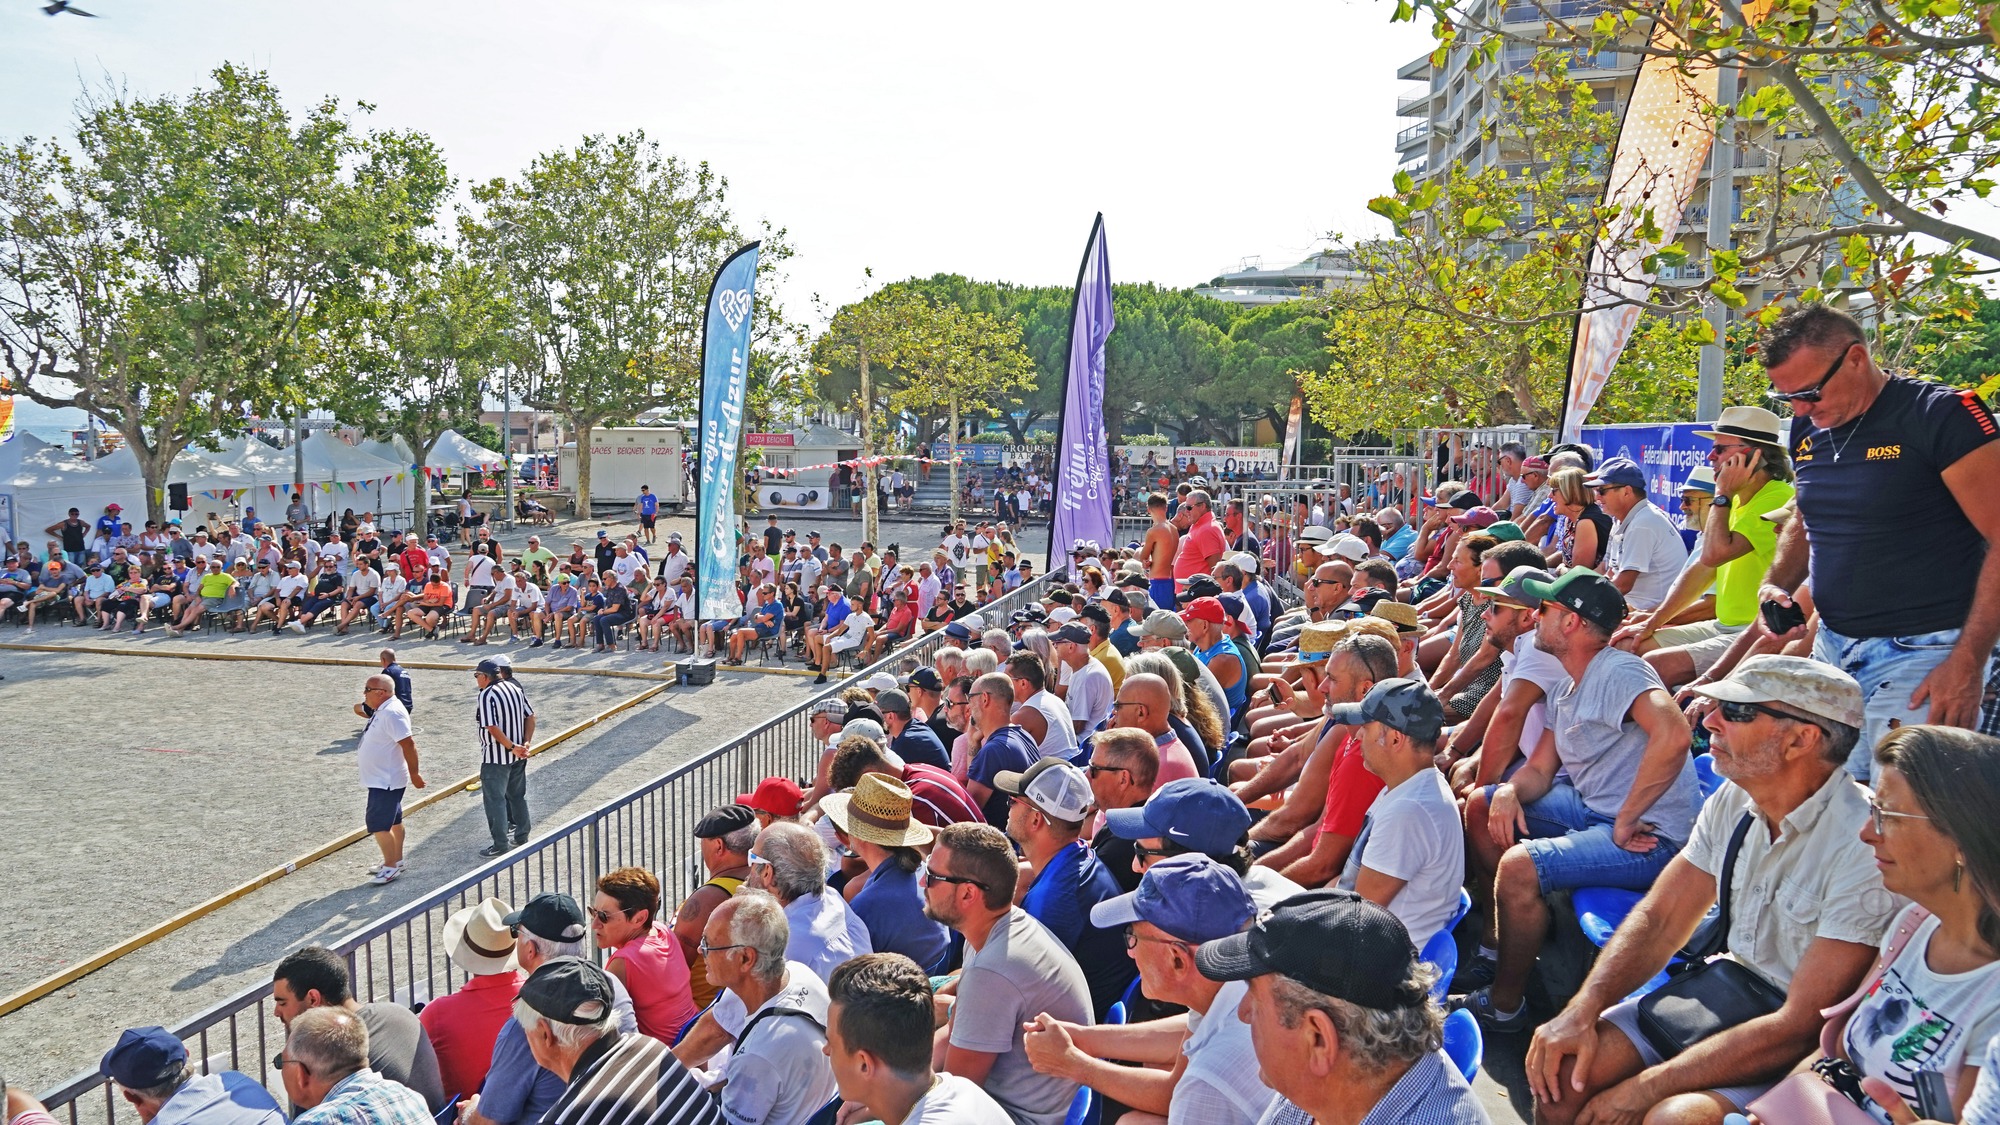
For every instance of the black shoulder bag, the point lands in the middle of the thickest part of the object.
(1709, 993)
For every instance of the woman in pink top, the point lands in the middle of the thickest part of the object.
(647, 956)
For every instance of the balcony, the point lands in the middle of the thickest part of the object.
(1416, 168)
(1413, 136)
(1416, 70)
(1566, 10)
(1416, 105)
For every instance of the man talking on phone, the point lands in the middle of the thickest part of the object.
(1898, 510)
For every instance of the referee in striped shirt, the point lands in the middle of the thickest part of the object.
(506, 722)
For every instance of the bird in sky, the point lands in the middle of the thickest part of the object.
(58, 7)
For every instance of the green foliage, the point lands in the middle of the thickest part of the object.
(173, 271)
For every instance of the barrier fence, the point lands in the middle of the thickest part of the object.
(401, 958)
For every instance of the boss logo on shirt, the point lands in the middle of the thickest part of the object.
(1884, 452)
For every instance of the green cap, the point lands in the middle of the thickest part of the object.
(1585, 593)
(1506, 531)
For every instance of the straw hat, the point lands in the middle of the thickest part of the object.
(878, 811)
(1400, 614)
(1316, 640)
(479, 941)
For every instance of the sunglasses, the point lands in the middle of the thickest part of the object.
(1144, 852)
(605, 916)
(932, 878)
(1814, 392)
(1748, 712)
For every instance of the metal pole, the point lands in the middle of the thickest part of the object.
(1721, 217)
(299, 462)
(507, 435)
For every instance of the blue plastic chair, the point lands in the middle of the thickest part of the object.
(1117, 1013)
(447, 1114)
(1705, 776)
(1599, 913)
(826, 1114)
(1441, 951)
(1082, 1108)
(1464, 1045)
(1132, 994)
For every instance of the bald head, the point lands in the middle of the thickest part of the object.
(1151, 694)
(380, 682)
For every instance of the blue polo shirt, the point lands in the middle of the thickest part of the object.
(224, 1098)
(649, 504)
(919, 743)
(836, 612)
(1074, 881)
(1008, 749)
(517, 1091)
(1397, 546)
(891, 905)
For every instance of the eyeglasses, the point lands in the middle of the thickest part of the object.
(1117, 703)
(605, 916)
(1877, 814)
(1095, 770)
(1144, 852)
(1814, 392)
(1133, 938)
(366, 690)
(1748, 712)
(705, 949)
(932, 878)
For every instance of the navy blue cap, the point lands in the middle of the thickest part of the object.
(957, 632)
(1192, 897)
(1619, 470)
(144, 1057)
(1195, 812)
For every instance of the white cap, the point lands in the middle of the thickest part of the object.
(861, 728)
(880, 681)
(973, 622)
(1061, 614)
(1245, 562)
(1347, 547)
(1054, 786)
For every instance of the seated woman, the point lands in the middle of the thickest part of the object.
(653, 603)
(1933, 1000)
(798, 611)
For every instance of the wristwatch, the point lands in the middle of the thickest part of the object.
(1721, 500)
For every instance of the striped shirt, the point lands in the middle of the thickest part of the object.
(502, 704)
(632, 1080)
(937, 799)
(367, 1098)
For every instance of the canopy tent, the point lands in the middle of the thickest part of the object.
(47, 481)
(400, 492)
(349, 474)
(454, 452)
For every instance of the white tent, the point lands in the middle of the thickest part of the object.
(356, 477)
(454, 451)
(46, 482)
(397, 495)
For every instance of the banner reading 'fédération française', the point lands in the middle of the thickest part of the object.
(725, 364)
(1083, 474)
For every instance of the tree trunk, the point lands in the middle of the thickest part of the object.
(420, 503)
(870, 527)
(155, 463)
(582, 427)
(952, 463)
(1525, 400)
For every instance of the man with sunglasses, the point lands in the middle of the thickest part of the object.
(1646, 552)
(1891, 472)
(1015, 971)
(1808, 907)
(1124, 767)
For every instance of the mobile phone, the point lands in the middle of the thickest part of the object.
(1933, 1098)
(1782, 618)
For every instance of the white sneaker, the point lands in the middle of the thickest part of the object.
(295, 625)
(385, 875)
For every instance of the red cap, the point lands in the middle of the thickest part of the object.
(1204, 609)
(779, 796)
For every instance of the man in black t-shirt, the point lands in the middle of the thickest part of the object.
(1895, 487)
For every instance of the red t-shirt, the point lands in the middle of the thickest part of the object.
(1350, 790)
(416, 565)
(1202, 542)
(463, 1026)
(937, 799)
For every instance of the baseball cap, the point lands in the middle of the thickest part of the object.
(1074, 634)
(1586, 593)
(603, 534)
(144, 1057)
(879, 681)
(1165, 624)
(1506, 531)
(1204, 609)
(1245, 562)
(925, 678)
(1408, 706)
(1201, 586)
(1333, 942)
(1618, 471)
(1510, 590)
(1052, 785)
(1481, 516)
(553, 916)
(1191, 897)
(569, 990)
(1798, 682)
(892, 702)
(861, 727)
(1195, 812)
(722, 820)
(1535, 465)
(1464, 501)
(779, 796)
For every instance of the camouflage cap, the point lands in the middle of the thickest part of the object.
(1402, 705)
(1800, 683)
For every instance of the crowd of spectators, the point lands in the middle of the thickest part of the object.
(1218, 857)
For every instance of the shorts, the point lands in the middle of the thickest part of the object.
(385, 809)
(647, 521)
(846, 642)
(1703, 642)
(1625, 1017)
(1161, 591)
(366, 601)
(1572, 847)
(214, 605)
(764, 632)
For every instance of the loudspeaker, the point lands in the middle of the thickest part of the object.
(177, 497)
(694, 673)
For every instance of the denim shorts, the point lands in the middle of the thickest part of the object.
(1572, 846)
(1888, 670)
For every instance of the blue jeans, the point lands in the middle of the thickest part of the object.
(1888, 670)
(1572, 847)
(504, 792)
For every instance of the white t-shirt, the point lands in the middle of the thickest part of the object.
(1221, 1085)
(1414, 834)
(853, 629)
(1542, 670)
(1089, 692)
(626, 567)
(291, 585)
(1061, 735)
(391, 589)
(957, 546)
(927, 592)
(380, 757)
(363, 582)
(333, 549)
(479, 571)
(1915, 1018)
(674, 564)
(781, 1072)
(1646, 541)
(952, 1100)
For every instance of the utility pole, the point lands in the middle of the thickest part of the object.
(870, 528)
(507, 435)
(1721, 219)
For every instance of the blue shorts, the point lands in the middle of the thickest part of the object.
(385, 809)
(1572, 846)
(1161, 592)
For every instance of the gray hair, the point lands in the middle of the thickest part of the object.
(549, 948)
(166, 1089)
(981, 661)
(1376, 1040)
(1160, 664)
(798, 860)
(741, 840)
(996, 641)
(1201, 495)
(329, 1042)
(949, 661)
(756, 920)
(570, 1036)
(1036, 640)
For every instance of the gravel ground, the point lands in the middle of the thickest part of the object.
(115, 824)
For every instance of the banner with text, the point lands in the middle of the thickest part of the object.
(725, 363)
(1083, 472)
(1667, 452)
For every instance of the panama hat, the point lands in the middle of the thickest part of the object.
(479, 939)
(877, 810)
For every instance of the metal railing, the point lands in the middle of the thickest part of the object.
(401, 958)
(1413, 134)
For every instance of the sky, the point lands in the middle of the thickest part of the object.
(900, 138)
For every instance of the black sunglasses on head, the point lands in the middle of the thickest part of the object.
(1814, 392)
